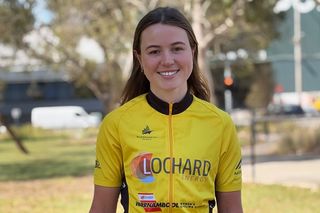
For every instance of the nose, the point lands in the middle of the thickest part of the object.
(167, 58)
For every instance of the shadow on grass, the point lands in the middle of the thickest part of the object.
(44, 169)
(52, 154)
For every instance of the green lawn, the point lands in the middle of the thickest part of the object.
(57, 177)
(58, 155)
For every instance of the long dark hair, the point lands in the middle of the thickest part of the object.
(138, 83)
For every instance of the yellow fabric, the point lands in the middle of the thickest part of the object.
(134, 140)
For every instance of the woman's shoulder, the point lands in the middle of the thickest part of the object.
(128, 107)
(207, 105)
(210, 108)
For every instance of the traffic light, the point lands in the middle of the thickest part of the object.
(228, 82)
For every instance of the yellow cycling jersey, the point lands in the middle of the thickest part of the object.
(168, 157)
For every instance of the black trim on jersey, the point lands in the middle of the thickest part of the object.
(124, 195)
(212, 204)
(163, 107)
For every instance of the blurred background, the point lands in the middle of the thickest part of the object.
(63, 65)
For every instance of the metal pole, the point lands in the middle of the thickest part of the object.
(253, 143)
(297, 50)
(227, 93)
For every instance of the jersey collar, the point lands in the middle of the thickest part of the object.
(163, 107)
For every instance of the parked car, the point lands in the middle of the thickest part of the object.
(3, 129)
(285, 109)
(61, 117)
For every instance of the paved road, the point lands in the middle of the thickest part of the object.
(301, 171)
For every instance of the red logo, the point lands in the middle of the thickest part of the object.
(140, 167)
(148, 202)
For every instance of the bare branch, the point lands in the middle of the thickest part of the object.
(205, 6)
(228, 23)
(13, 135)
(236, 11)
(208, 38)
(93, 86)
(139, 5)
(153, 3)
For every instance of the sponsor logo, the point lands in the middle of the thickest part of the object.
(239, 165)
(146, 130)
(140, 167)
(144, 167)
(146, 134)
(148, 202)
(238, 168)
(97, 165)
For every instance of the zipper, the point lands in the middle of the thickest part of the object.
(171, 157)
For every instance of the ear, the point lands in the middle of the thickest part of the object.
(138, 56)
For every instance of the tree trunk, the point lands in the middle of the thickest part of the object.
(13, 136)
(205, 68)
(198, 17)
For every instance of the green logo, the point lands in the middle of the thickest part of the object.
(146, 130)
(97, 165)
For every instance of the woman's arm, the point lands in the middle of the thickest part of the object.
(105, 199)
(229, 202)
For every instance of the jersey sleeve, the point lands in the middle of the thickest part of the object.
(108, 168)
(229, 170)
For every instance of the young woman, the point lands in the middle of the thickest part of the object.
(167, 149)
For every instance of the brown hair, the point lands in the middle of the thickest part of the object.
(138, 83)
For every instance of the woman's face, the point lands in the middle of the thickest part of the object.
(166, 58)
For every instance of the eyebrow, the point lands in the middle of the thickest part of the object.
(157, 46)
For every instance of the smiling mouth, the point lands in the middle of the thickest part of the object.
(168, 73)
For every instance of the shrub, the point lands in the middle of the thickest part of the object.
(300, 141)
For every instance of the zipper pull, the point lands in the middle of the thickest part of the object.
(170, 108)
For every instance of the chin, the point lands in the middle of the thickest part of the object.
(169, 88)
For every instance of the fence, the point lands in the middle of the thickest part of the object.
(280, 136)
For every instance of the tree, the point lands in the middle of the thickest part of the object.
(109, 25)
(232, 25)
(220, 26)
(262, 87)
(16, 20)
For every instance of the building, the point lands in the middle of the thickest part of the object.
(22, 91)
(281, 56)
(281, 53)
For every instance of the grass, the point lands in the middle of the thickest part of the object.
(49, 157)
(57, 177)
(67, 194)
(258, 198)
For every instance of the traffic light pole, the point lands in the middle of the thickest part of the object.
(227, 92)
(297, 51)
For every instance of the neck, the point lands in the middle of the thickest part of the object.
(171, 96)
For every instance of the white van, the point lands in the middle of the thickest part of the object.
(61, 117)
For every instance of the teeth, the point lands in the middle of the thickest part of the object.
(167, 73)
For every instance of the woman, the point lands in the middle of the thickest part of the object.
(167, 149)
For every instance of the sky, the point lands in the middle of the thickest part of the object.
(303, 6)
(89, 49)
(41, 13)
(44, 16)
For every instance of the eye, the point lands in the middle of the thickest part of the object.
(154, 52)
(178, 49)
